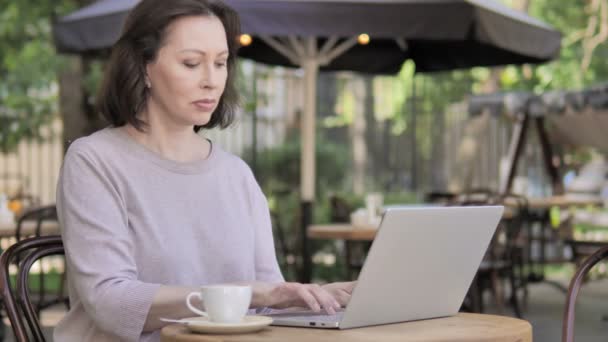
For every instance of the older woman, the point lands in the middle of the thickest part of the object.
(151, 210)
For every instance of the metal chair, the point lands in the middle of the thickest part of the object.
(355, 251)
(504, 255)
(39, 216)
(17, 301)
(575, 285)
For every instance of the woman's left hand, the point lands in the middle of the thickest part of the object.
(340, 291)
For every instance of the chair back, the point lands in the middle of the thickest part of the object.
(339, 209)
(38, 215)
(575, 285)
(21, 313)
(510, 228)
(516, 223)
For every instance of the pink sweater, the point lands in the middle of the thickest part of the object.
(132, 220)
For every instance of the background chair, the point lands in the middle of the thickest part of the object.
(575, 285)
(38, 218)
(504, 259)
(340, 210)
(17, 300)
(37, 215)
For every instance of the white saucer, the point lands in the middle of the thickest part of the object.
(247, 325)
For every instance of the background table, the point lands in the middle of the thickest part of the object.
(539, 215)
(459, 328)
(561, 201)
(342, 231)
(351, 232)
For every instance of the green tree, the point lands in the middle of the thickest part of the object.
(28, 66)
(582, 26)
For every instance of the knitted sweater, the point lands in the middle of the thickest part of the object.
(132, 220)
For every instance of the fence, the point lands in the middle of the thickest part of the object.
(33, 168)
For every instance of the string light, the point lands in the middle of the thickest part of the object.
(245, 39)
(363, 39)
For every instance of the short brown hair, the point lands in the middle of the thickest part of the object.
(124, 93)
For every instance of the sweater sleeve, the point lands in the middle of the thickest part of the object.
(95, 231)
(266, 265)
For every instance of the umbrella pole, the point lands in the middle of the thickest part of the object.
(304, 52)
(307, 145)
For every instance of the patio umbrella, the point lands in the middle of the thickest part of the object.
(358, 35)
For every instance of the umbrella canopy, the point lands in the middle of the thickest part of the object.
(435, 34)
(323, 35)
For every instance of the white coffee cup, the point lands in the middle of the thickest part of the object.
(223, 303)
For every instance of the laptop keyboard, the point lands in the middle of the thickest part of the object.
(310, 316)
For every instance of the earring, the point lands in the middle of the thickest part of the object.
(148, 85)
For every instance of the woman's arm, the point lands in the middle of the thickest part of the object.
(99, 248)
(169, 302)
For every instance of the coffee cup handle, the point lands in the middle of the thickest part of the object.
(192, 307)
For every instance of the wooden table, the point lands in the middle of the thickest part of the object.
(342, 231)
(459, 328)
(352, 232)
(347, 231)
(28, 228)
(561, 201)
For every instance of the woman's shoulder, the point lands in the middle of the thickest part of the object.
(231, 161)
(232, 164)
(93, 145)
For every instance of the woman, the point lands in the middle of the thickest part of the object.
(150, 211)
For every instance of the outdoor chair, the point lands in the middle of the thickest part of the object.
(339, 212)
(440, 197)
(575, 285)
(23, 316)
(39, 216)
(504, 258)
(339, 209)
(282, 245)
(509, 251)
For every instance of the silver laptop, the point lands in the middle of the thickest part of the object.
(420, 266)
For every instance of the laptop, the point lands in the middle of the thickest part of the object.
(420, 266)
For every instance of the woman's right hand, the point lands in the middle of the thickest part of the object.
(285, 295)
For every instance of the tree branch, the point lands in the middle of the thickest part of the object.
(592, 41)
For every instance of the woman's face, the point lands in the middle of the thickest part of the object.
(189, 74)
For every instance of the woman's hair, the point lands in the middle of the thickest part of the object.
(123, 93)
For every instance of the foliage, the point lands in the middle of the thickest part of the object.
(278, 172)
(28, 66)
(278, 168)
(566, 72)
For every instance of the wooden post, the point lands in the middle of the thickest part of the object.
(548, 156)
(518, 139)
